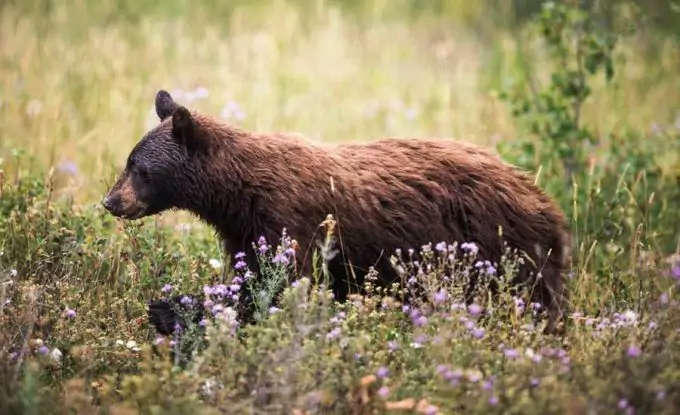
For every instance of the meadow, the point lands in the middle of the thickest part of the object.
(589, 104)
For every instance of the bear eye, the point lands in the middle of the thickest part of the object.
(142, 173)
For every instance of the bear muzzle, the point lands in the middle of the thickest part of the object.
(120, 209)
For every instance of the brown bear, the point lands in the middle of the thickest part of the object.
(394, 193)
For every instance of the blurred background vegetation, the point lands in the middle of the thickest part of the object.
(587, 98)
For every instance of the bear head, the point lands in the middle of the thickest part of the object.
(160, 169)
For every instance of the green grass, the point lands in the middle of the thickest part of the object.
(77, 81)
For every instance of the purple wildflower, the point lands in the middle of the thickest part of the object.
(535, 381)
(240, 265)
(382, 372)
(280, 259)
(431, 410)
(478, 333)
(383, 391)
(70, 313)
(440, 296)
(43, 350)
(474, 309)
(675, 271)
(392, 345)
(420, 321)
(634, 351)
(166, 288)
(240, 255)
(441, 247)
(493, 400)
(511, 353)
(333, 333)
(470, 247)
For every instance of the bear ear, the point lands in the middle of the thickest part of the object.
(165, 105)
(183, 126)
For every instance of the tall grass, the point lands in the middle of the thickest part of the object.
(77, 80)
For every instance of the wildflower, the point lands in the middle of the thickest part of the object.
(382, 372)
(383, 391)
(440, 296)
(207, 290)
(203, 322)
(675, 271)
(392, 345)
(280, 259)
(487, 385)
(535, 381)
(478, 333)
(629, 317)
(240, 265)
(333, 333)
(217, 308)
(159, 341)
(411, 113)
(215, 263)
(634, 351)
(166, 288)
(474, 309)
(474, 377)
(663, 299)
(56, 355)
(220, 290)
(623, 403)
(43, 350)
(511, 353)
(274, 309)
(493, 400)
(70, 313)
(420, 321)
(470, 247)
(441, 369)
(68, 167)
(441, 247)
(232, 110)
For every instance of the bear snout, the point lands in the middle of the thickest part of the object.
(106, 202)
(112, 205)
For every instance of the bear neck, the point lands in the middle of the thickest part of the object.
(225, 201)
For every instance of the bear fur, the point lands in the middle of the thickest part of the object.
(386, 194)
